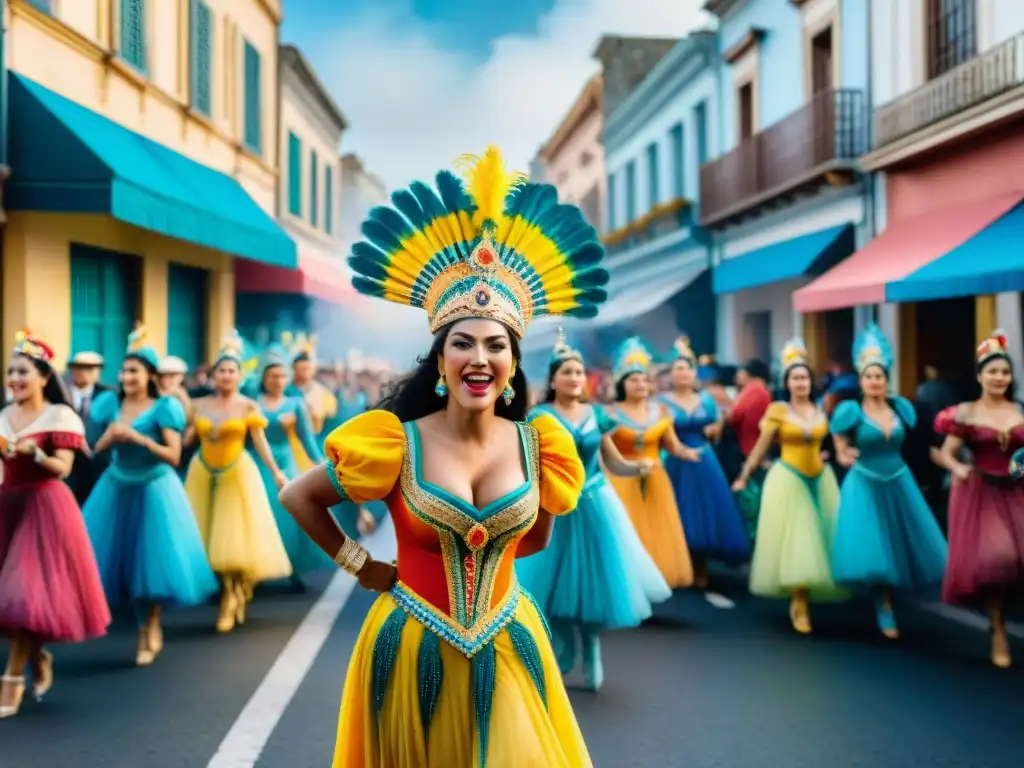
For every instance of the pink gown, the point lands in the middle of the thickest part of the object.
(986, 512)
(49, 583)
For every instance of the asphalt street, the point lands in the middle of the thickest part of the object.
(698, 687)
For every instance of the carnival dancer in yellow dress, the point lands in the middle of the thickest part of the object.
(227, 492)
(645, 429)
(796, 525)
(454, 665)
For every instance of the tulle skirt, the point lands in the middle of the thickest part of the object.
(236, 521)
(795, 530)
(710, 517)
(594, 572)
(49, 584)
(651, 505)
(986, 539)
(146, 539)
(886, 534)
(383, 705)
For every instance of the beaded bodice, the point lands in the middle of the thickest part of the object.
(689, 424)
(586, 434)
(641, 441)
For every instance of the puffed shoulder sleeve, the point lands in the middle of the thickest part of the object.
(905, 410)
(364, 456)
(66, 429)
(774, 416)
(256, 419)
(605, 421)
(561, 471)
(948, 422)
(845, 418)
(170, 414)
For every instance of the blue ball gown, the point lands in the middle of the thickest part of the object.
(288, 424)
(712, 521)
(595, 574)
(144, 533)
(886, 534)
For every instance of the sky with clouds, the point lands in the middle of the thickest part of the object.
(424, 81)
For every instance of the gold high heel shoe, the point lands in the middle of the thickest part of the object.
(42, 674)
(155, 637)
(144, 655)
(12, 689)
(799, 616)
(228, 609)
(1001, 650)
(242, 598)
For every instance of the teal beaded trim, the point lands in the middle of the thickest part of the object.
(332, 473)
(543, 619)
(526, 647)
(430, 671)
(385, 653)
(467, 642)
(484, 675)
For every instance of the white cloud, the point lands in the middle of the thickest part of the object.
(414, 107)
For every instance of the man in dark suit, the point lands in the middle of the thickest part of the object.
(83, 383)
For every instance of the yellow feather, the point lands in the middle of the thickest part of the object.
(488, 183)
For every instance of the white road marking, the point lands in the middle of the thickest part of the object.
(970, 618)
(719, 601)
(244, 742)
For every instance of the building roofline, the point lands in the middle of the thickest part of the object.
(591, 97)
(292, 58)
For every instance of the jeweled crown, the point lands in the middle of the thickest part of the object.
(632, 357)
(683, 349)
(139, 347)
(996, 345)
(793, 353)
(872, 348)
(29, 345)
(562, 351)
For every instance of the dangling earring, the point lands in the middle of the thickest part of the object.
(440, 389)
(507, 394)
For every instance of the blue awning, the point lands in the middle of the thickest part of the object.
(69, 159)
(805, 255)
(989, 262)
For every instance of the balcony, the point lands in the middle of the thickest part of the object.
(817, 145)
(661, 220)
(980, 92)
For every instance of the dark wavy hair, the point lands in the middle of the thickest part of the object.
(412, 396)
(784, 383)
(620, 386)
(54, 390)
(553, 369)
(1011, 391)
(263, 376)
(152, 390)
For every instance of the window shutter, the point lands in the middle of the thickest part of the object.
(253, 110)
(314, 199)
(294, 175)
(133, 33)
(329, 201)
(202, 57)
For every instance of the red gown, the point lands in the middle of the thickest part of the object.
(986, 512)
(49, 583)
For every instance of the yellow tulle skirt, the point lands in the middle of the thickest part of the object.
(236, 521)
(523, 732)
(652, 508)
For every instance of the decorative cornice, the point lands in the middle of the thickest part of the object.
(291, 58)
(588, 100)
(746, 44)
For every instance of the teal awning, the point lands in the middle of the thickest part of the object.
(805, 255)
(989, 262)
(68, 159)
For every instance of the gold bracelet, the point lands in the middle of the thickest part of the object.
(351, 557)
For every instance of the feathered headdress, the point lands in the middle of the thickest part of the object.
(138, 346)
(304, 345)
(994, 346)
(28, 344)
(562, 351)
(684, 351)
(631, 357)
(872, 348)
(793, 353)
(232, 349)
(275, 354)
(492, 246)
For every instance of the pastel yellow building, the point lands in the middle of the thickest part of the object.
(144, 156)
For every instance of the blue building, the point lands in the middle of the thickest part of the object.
(785, 200)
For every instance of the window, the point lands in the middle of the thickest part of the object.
(328, 200)
(313, 198)
(611, 203)
(294, 174)
(653, 182)
(202, 58)
(678, 161)
(253, 101)
(700, 122)
(631, 192)
(952, 36)
(186, 313)
(133, 33)
(821, 61)
(745, 103)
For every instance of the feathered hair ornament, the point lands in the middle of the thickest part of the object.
(684, 351)
(232, 349)
(491, 245)
(28, 344)
(793, 353)
(304, 346)
(631, 357)
(275, 354)
(562, 351)
(139, 347)
(994, 346)
(872, 348)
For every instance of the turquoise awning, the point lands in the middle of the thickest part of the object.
(989, 262)
(805, 255)
(69, 159)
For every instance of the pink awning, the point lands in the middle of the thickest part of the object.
(314, 277)
(902, 248)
